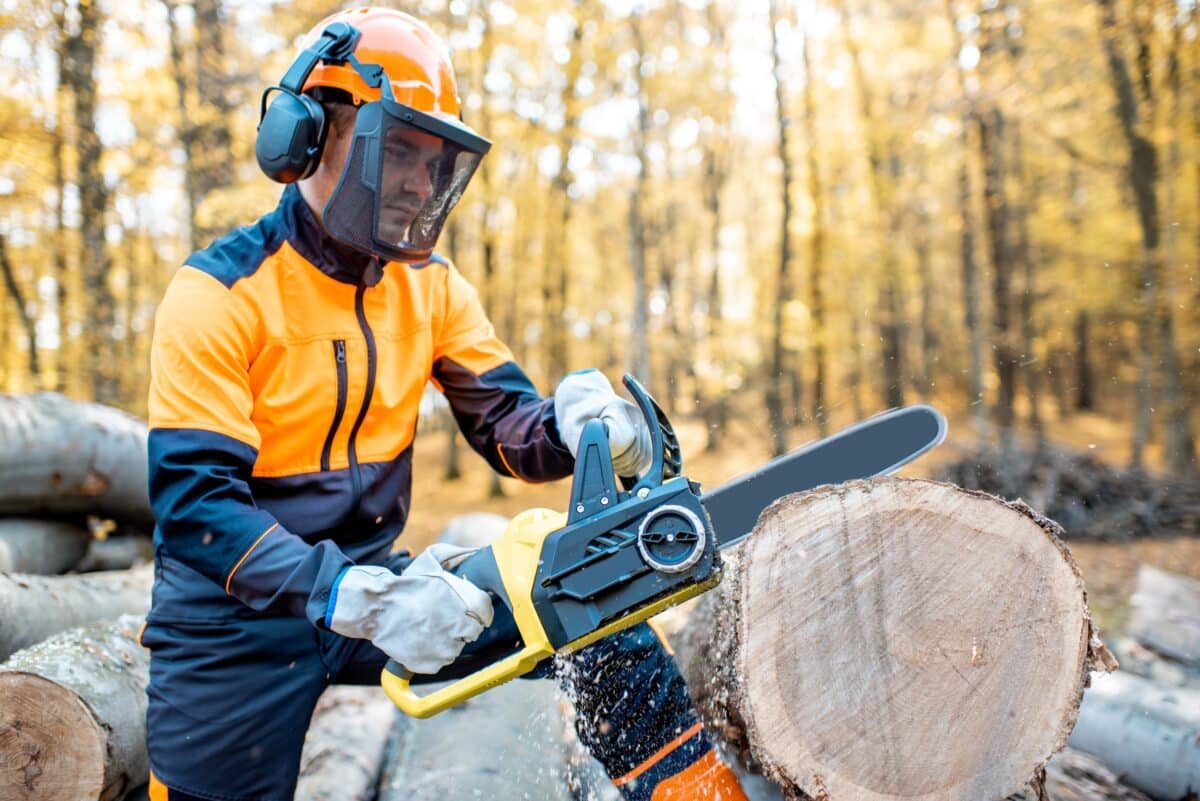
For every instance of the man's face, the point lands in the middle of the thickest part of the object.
(410, 163)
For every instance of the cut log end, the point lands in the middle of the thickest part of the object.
(52, 748)
(899, 638)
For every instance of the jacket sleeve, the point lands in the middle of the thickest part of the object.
(202, 449)
(495, 404)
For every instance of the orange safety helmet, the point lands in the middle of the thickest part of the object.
(414, 57)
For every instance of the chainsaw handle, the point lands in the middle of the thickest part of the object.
(395, 681)
(664, 445)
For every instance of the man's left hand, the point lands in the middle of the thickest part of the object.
(588, 395)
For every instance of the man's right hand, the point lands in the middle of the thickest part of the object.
(421, 618)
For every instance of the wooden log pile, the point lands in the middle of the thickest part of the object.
(874, 640)
(1089, 499)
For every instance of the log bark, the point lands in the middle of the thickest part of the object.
(33, 608)
(895, 638)
(1075, 776)
(72, 716)
(344, 747)
(41, 546)
(1166, 614)
(1148, 733)
(60, 457)
(504, 745)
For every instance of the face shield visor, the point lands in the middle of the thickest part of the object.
(404, 172)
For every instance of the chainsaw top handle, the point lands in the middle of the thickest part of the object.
(664, 446)
(593, 488)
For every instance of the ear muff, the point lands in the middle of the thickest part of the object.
(291, 136)
(292, 129)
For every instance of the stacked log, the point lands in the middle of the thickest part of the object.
(73, 717)
(29, 545)
(33, 608)
(345, 745)
(61, 457)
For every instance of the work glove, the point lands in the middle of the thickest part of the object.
(587, 395)
(421, 618)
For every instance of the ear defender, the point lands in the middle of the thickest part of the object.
(291, 136)
(292, 129)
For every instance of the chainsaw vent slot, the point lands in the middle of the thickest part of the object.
(607, 543)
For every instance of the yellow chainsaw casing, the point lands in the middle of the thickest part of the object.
(518, 554)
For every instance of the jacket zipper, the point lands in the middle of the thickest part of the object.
(339, 360)
(355, 477)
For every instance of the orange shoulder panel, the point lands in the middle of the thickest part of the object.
(204, 339)
(462, 330)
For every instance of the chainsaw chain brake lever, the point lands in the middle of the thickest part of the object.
(593, 488)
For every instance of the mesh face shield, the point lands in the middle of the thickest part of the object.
(404, 172)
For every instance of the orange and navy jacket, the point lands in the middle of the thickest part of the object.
(286, 374)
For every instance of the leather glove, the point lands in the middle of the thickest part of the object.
(421, 618)
(587, 394)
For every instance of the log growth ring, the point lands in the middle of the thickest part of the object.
(937, 644)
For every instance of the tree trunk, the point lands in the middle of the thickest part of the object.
(972, 316)
(79, 50)
(1143, 173)
(783, 287)
(639, 353)
(1147, 733)
(817, 256)
(61, 457)
(27, 321)
(895, 638)
(73, 720)
(115, 553)
(1085, 400)
(187, 127)
(211, 139)
(44, 547)
(1030, 366)
(36, 607)
(991, 127)
(344, 748)
(1179, 443)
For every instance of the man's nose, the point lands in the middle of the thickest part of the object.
(418, 181)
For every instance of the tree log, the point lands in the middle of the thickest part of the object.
(116, 553)
(33, 608)
(504, 745)
(73, 716)
(1148, 733)
(1166, 614)
(344, 747)
(41, 546)
(895, 638)
(1075, 776)
(61, 457)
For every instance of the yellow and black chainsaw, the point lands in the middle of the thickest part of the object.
(621, 554)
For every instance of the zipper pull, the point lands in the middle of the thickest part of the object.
(339, 350)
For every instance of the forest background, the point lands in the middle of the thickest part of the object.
(781, 215)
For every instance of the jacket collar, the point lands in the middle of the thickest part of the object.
(337, 260)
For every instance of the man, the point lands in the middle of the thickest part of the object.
(288, 362)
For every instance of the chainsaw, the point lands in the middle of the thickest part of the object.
(622, 554)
